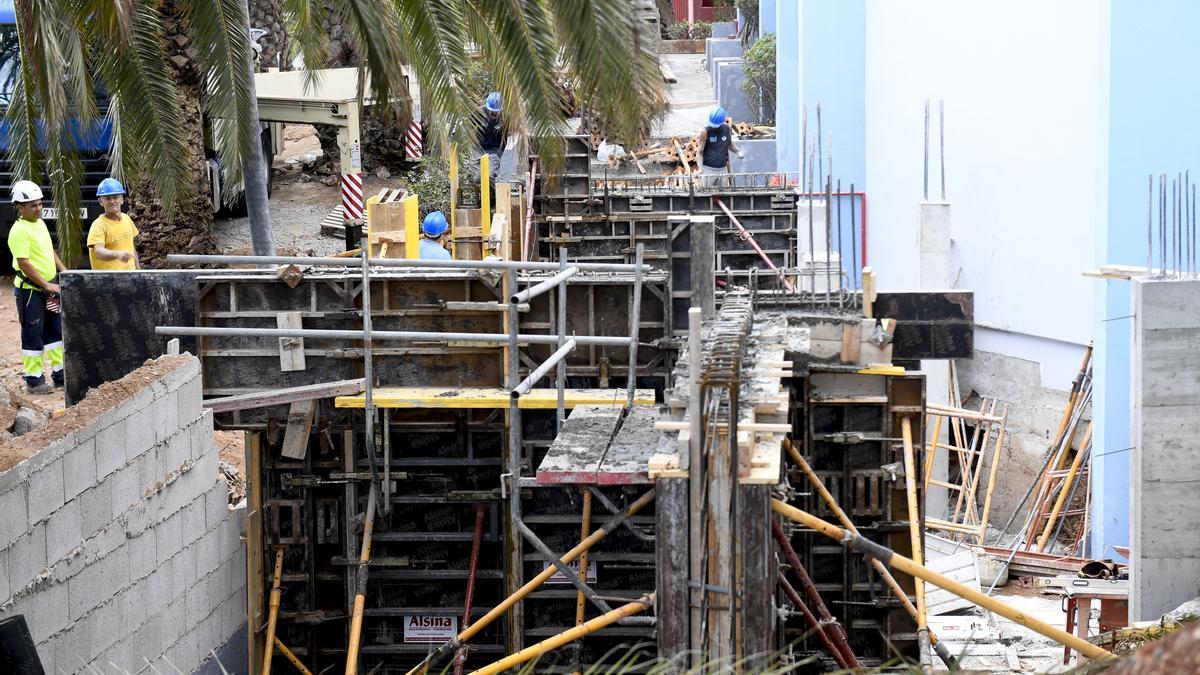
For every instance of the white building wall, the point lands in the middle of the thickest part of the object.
(1024, 85)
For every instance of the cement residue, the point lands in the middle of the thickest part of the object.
(98, 400)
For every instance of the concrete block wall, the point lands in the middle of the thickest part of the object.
(730, 75)
(719, 48)
(117, 542)
(1164, 502)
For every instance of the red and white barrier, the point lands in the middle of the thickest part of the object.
(352, 195)
(412, 141)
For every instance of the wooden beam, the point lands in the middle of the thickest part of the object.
(266, 399)
(299, 426)
(291, 349)
(494, 398)
(255, 617)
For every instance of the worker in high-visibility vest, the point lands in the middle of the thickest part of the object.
(433, 234)
(36, 266)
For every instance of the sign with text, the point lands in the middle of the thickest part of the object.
(558, 577)
(423, 628)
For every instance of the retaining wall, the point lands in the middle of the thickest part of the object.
(116, 541)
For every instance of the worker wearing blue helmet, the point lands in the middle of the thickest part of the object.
(433, 232)
(493, 135)
(714, 143)
(111, 238)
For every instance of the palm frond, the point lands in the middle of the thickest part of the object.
(221, 27)
(306, 29)
(435, 35)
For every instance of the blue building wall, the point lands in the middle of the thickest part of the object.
(834, 42)
(789, 84)
(1152, 129)
(766, 16)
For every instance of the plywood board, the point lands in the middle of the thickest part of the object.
(299, 425)
(291, 350)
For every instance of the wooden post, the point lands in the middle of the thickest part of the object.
(671, 569)
(758, 578)
(254, 551)
(868, 292)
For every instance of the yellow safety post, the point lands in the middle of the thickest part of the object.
(512, 660)
(453, 198)
(485, 194)
(360, 593)
(291, 656)
(273, 615)
(412, 227)
(892, 559)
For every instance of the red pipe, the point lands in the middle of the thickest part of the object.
(837, 632)
(460, 659)
(746, 236)
(830, 647)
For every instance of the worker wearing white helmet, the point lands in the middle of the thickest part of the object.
(36, 265)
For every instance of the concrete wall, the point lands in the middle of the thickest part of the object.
(117, 542)
(1165, 468)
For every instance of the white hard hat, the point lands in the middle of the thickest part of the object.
(25, 191)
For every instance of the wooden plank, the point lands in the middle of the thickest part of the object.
(671, 567)
(291, 350)
(299, 426)
(868, 292)
(758, 572)
(255, 616)
(851, 342)
(668, 75)
(266, 399)
(960, 567)
(627, 461)
(494, 398)
(575, 455)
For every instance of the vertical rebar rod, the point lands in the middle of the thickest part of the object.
(803, 146)
(854, 271)
(841, 251)
(1162, 223)
(942, 144)
(820, 157)
(635, 324)
(828, 239)
(925, 184)
(1149, 224)
(1192, 234)
(560, 376)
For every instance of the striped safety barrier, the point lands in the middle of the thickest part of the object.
(352, 195)
(413, 142)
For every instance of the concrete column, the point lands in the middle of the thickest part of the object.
(1164, 467)
(933, 247)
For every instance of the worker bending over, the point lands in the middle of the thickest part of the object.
(433, 233)
(715, 142)
(493, 135)
(36, 265)
(110, 239)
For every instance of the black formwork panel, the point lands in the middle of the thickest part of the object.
(828, 404)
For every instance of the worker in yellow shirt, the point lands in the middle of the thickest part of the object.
(36, 265)
(110, 239)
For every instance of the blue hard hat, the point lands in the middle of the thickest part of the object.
(434, 224)
(109, 187)
(493, 102)
(716, 116)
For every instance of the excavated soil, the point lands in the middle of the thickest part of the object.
(80, 415)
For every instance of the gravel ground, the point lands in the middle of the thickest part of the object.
(691, 96)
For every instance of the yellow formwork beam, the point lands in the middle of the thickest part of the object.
(489, 397)
(412, 227)
(881, 369)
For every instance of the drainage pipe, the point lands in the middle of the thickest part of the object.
(892, 559)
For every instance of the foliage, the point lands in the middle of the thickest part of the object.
(724, 11)
(67, 45)
(760, 86)
(431, 180)
(749, 28)
(699, 30)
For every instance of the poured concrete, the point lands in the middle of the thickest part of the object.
(1164, 503)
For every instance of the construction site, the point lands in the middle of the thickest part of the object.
(857, 404)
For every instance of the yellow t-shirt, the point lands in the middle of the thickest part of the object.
(30, 239)
(114, 235)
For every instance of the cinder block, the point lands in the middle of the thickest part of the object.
(130, 484)
(141, 431)
(63, 532)
(14, 506)
(217, 505)
(79, 469)
(4, 590)
(183, 567)
(169, 535)
(208, 552)
(174, 453)
(27, 558)
(105, 617)
(46, 491)
(166, 409)
(189, 399)
(99, 582)
(110, 449)
(186, 650)
(231, 537)
(174, 621)
(50, 613)
(143, 554)
(193, 518)
(202, 436)
(199, 602)
(96, 508)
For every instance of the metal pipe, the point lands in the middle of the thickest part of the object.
(368, 364)
(560, 378)
(540, 288)
(895, 560)
(460, 659)
(360, 594)
(616, 510)
(925, 190)
(635, 324)
(421, 263)
(499, 610)
(570, 635)
(273, 612)
(540, 372)
(837, 633)
(515, 559)
(396, 335)
(815, 624)
(291, 656)
(883, 572)
(1062, 494)
(749, 238)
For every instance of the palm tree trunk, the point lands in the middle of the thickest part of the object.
(189, 229)
(254, 170)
